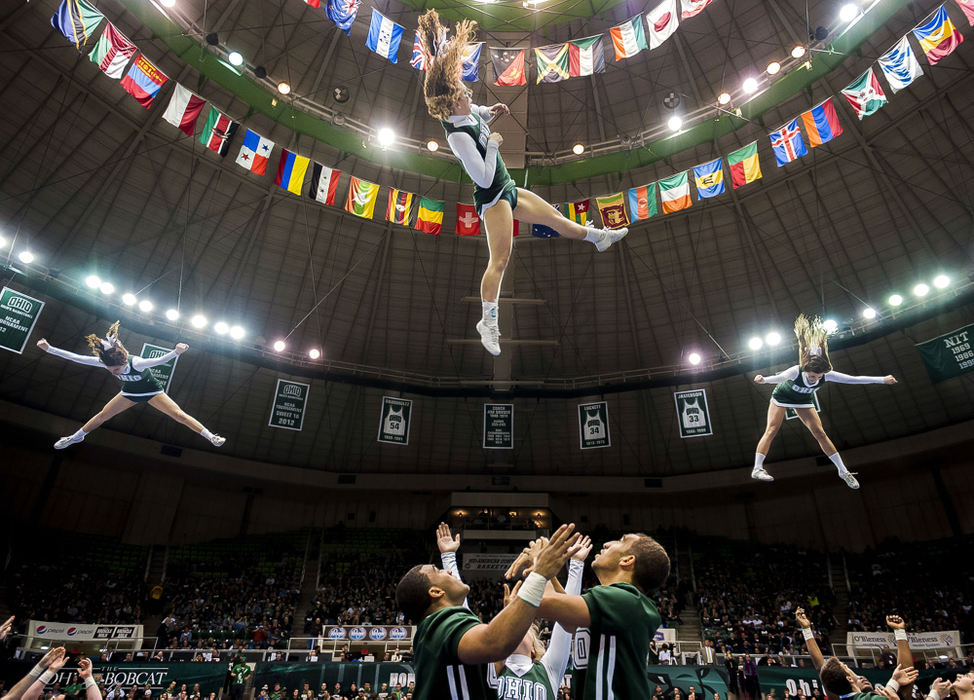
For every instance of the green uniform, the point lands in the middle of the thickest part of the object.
(611, 654)
(139, 386)
(240, 673)
(502, 185)
(439, 673)
(795, 393)
(533, 685)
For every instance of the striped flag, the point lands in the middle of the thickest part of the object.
(662, 22)
(967, 7)
(674, 192)
(613, 210)
(361, 198)
(937, 36)
(184, 109)
(77, 20)
(112, 52)
(324, 183)
(642, 202)
(218, 131)
(821, 123)
(628, 38)
(429, 218)
(586, 56)
(709, 178)
(291, 171)
(400, 207)
(384, 36)
(744, 165)
(143, 81)
(578, 211)
(900, 65)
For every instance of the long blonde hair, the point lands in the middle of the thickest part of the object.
(812, 343)
(112, 355)
(443, 86)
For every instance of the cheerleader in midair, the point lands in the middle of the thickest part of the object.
(794, 389)
(476, 146)
(139, 384)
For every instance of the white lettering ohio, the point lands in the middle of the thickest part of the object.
(21, 304)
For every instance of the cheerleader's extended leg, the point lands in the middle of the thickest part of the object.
(776, 415)
(813, 422)
(164, 404)
(118, 404)
(534, 210)
(499, 222)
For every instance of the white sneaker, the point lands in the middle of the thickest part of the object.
(610, 236)
(218, 440)
(68, 440)
(490, 337)
(761, 474)
(848, 477)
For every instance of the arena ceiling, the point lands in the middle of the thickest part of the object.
(93, 182)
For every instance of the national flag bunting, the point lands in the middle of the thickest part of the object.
(468, 223)
(218, 131)
(586, 56)
(254, 152)
(420, 58)
(692, 8)
(937, 36)
(662, 21)
(77, 20)
(642, 202)
(900, 65)
(628, 38)
(343, 13)
(744, 165)
(471, 62)
(866, 94)
(361, 198)
(324, 183)
(143, 81)
(709, 178)
(613, 210)
(552, 63)
(578, 211)
(508, 67)
(967, 7)
(384, 36)
(112, 52)
(291, 170)
(399, 207)
(821, 123)
(787, 143)
(184, 109)
(674, 192)
(542, 231)
(313, 3)
(429, 216)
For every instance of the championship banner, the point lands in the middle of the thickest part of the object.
(918, 640)
(368, 633)
(296, 675)
(593, 425)
(290, 399)
(791, 413)
(487, 562)
(394, 420)
(18, 314)
(692, 413)
(498, 426)
(86, 633)
(949, 355)
(164, 371)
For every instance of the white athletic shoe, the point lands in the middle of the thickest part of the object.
(761, 474)
(68, 440)
(849, 478)
(610, 236)
(490, 337)
(218, 440)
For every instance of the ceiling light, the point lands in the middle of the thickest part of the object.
(830, 326)
(236, 332)
(772, 338)
(106, 287)
(167, 3)
(869, 313)
(279, 346)
(129, 299)
(694, 358)
(385, 136)
(235, 58)
(578, 149)
(895, 300)
(921, 290)
(848, 12)
(198, 321)
(26, 257)
(283, 88)
(3, 242)
(674, 122)
(432, 146)
(145, 306)
(314, 353)
(773, 67)
(941, 281)
(798, 51)
(750, 85)
(172, 314)
(755, 343)
(93, 281)
(221, 327)
(723, 98)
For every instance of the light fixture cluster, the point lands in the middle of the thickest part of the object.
(24, 255)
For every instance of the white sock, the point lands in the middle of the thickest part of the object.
(206, 433)
(759, 459)
(78, 435)
(594, 235)
(490, 312)
(837, 461)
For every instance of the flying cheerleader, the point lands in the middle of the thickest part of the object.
(139, 384)
(794, 389)
(476, 146)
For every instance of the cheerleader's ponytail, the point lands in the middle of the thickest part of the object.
(813, 344)
(108, 349)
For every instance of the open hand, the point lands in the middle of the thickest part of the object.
(5, 628)
(524, 564)
(445, 540)
(48, 658)
(941, 686)
(582, 549)
(905, 676)
(559, 548)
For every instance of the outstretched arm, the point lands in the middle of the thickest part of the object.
(141, 363)
(840, 378)
(480, 170)
(36, 675)
(89, 360)
(448, 546)
(555, 660)
(790, 373)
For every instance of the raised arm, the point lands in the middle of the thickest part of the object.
(89, 360)
(91, 688)
(36, 674)
(811, 644)
(480, 170)
(904, 655)
(448, 546)
(840, 378)
(790, 373)
(555, 659)
(141, 363)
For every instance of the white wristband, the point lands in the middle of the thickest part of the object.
(532, 590)
(47, 676)
(90, 682)
(807, 633)
(934, 693)
(900, 635)
(893, 684)
(36, 672)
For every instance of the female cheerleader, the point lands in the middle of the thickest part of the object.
(794, 389)
(139, 384)
(472, 142)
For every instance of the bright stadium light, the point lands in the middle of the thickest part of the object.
(145, 306)
(93, 281)
(895, 300)
(385, 136)
(129, 299)
(106, 288)
(172, 314)
(167, 3)
(723, 98)
(198, 321)
(432, 146)
(279, 346)
(284, 88)
(848, 12)
(798, 51)
(314, 353)
(3, 242)
(772, 338)
(755, 343)
(26, 257)
(221, 327)
(869, 313)
(750, 85)
(694, 358)
(578, 149)
(941, 281)
(830, 326)
(674, 122)
(773, 67)
(237, 332)
(235, 58)
(921, 290)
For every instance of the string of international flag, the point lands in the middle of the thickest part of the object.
(77, 20)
